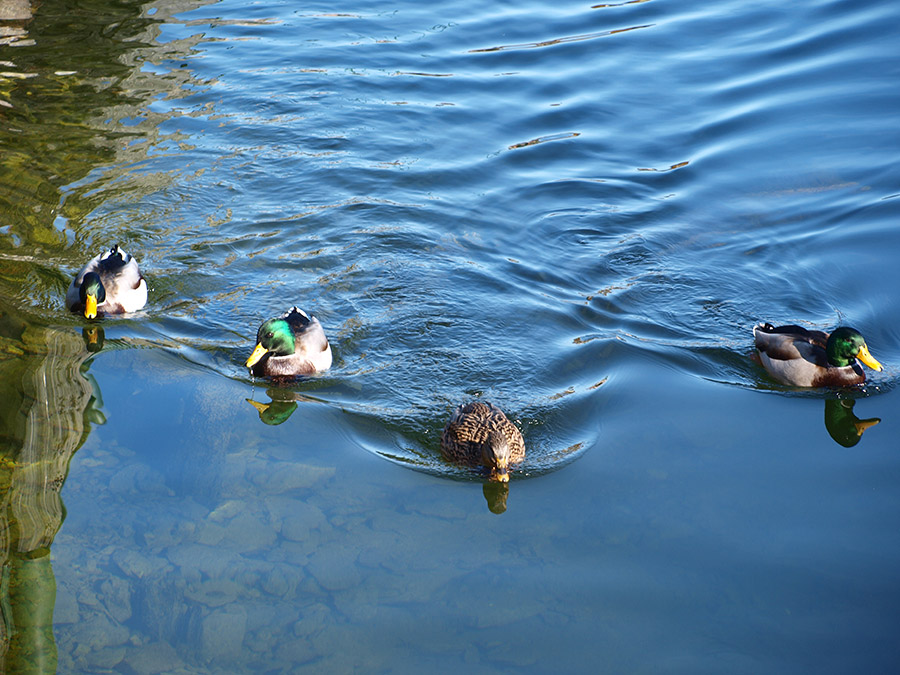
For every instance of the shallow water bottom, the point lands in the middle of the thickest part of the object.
(199, 540)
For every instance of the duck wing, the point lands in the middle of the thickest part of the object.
(308, 333)
(120, 269)
(786, 343)
(126, 290)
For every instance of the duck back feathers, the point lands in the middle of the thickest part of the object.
(124, 287)
(470, 427)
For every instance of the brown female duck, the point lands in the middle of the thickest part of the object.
(479, 434)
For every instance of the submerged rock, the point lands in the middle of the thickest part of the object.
(222, 634)
(158, 657)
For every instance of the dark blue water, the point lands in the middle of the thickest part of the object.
(577, 212)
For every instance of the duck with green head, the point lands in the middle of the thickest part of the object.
(111, 283)
(796, 356)
(290, 345)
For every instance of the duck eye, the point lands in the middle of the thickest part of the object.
(270, 335)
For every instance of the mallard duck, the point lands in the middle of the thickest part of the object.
(111, 283)
(290, 345)
(479, 434)
(810, 358)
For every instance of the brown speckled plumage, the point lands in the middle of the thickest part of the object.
(470, 429)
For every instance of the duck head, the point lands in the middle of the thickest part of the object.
(846, 344)
(274, 338)
(91, 294)
(495, 456)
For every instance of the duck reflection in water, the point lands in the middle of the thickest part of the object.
(282, 404)
(496, 494)
(842, 423)
(93, 337)
(479, 435)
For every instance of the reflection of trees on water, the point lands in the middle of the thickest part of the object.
(14, 14)
(72, 73)
(48, 405)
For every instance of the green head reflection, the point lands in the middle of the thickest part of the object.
(842, 423)
(275, 412)
(93, 337)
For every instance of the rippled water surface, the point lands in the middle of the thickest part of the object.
(575, 211)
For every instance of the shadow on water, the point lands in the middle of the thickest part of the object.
(51, 403)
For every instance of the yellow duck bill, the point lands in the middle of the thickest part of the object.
(90, 307)
(257, 354)
(868, 359)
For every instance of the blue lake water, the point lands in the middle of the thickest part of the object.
(575, 211)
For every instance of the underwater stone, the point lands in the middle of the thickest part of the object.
(205, 559)
(66, 608)
(304, 517)
(285, 476)
(227, 510)
(106, 658)
(135, 564)
(116, 596)
(98, 631)
(441, 509)
(246, 533)
(210, 534)
(297, 552)
(314, 619)
(277, 584)
(334, 568)
(158, 657)
(296, 652)
(223, 633)
(214, 593)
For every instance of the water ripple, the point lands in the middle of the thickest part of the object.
(558, 41)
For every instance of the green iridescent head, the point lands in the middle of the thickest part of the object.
(274, 337)
(846, 344)
(91, 294)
